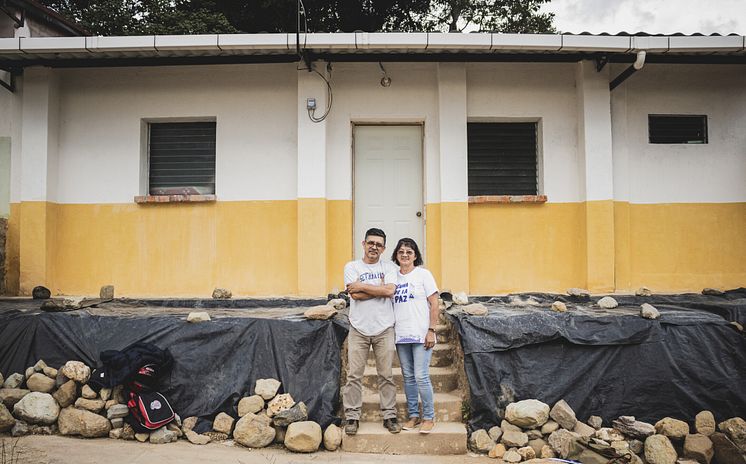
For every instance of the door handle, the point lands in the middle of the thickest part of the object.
(419, 213)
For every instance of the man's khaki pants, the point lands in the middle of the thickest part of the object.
(384, 350)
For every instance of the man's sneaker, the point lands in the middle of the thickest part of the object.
(392, 425)
(351, 426)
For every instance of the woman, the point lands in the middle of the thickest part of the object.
(416, 314)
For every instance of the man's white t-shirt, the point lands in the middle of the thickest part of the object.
(371, 317)
(411, 310)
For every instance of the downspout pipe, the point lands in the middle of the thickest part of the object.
(633, 68)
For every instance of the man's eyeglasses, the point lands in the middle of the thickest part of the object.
(372, 244)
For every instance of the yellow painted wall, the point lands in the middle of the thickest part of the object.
(338, 242)
(433, 260)
(12, 250)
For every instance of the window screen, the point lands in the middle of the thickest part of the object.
(677, 128)
(502, 158)
(182, 158)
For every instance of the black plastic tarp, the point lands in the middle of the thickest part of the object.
(607, 362)
(215, 363)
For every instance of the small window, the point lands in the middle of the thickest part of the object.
(677, 128)
(502, 158)
(181, 158)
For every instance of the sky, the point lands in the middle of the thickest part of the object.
(653, 16)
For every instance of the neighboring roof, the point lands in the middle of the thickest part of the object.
(49, 16)
(364, 46)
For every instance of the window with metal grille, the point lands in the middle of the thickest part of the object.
(502, 158)
(674, 128)
(181, 158)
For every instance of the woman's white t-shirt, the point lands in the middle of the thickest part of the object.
(411, 310)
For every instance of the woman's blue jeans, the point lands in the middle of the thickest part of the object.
(415, 368)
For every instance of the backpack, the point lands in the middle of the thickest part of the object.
(149, 411)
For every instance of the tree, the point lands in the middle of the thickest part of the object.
(517, 16)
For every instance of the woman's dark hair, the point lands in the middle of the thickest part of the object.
(409, 243)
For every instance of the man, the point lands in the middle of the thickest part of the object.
(371, 283)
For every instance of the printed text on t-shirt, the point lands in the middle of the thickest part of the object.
(402, 294)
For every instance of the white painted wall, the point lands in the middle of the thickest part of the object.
(10, 127)
(655, 173)
(534, 92)
(101, 112)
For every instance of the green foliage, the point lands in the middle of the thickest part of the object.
(517, 16)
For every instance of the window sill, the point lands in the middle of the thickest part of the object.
(508, 199)
(174, 198)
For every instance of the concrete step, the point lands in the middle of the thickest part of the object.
(447, 407)
(443, 379)
(372, 437)
(442, 356)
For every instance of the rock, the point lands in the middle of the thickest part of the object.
(221, 294)
(475, 309)
(37, 408)
(533, 434)
(196, 439)
(250, 404)
(497, 451)
(608, 434)
(527, 413)
(128, 433)
(40, 293)
(643, 291)
(2, 380)
(537, 444)
(10, 396)
(527, 453)
(72, 302)
(559, 307)
(547, 452)
(297, 413)
(14, 381)
(726, 452)
(584, 430)
(60, 379)
(303, 437)
(649, 311)
(189, 423)
(704, 423)
(607, 302)
(105, 394)
(162, 436)
(633, 428)
(332, 437)
(74, 421)
(117, 411)
(337, 303)
(596, 422)
(195, 317)
(279, 403)
(174, 427)
(253, 431)
(514, 439)
(115, 433)
(579, 292)
(481, 441)
(40, 383)
(216, 436)
(495, 433)
(50, 372)
(106, 292)
(621, 446)
(19, 429)
(320, 313)
(142, 437)
(90, 405)
(712, 292)
(460, 298)
(29, 372)
(117, 423)
(40, 365)
(118, 394)
(280, 434)
(699, 447)
(636, 446)
(735, 429)
(505, 426)
(266, 388)
(77, 371)
(563, 414)
(672, 428)
(562, 441)
(549, 427)
(7, 421)
(88, 393)
(659, 450)
(223, 423)
(110, 404)
(512, 455)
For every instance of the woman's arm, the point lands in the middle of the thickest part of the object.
(432, 301)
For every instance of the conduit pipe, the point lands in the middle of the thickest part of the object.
(633, 68)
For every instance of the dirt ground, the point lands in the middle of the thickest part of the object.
(68, 450)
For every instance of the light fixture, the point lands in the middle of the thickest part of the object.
(385, 80)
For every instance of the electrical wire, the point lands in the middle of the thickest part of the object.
(329, 94)
(329, 98)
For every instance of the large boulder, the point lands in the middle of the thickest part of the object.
(266, 388)
(303, 437)
(10, 396)
(40, 383)
(562, 442)
(7, 421)
(37, 408)
(527, 413)
(608, 302)
(659, 450)
(250, 404)
(481, 441)
(332, 437)
(563, 414)
(514, 439)
(704, 423)
(735, 428)
(14, 381)
(163, 435)
(672, 428)
(320, 313)
(699, 447)
(223, 423)
(74, 421)
(66, 394)
(253, 431)
(726, 452)
(298, 413)
(77, 371)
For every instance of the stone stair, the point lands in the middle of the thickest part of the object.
(449, 435)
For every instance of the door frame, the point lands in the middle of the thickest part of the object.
(421, 124)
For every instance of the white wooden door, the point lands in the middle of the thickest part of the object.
(387, 189)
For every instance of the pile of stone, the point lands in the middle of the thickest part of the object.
(531, 429)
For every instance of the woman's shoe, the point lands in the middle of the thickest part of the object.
(411, 423)
(427, 426)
